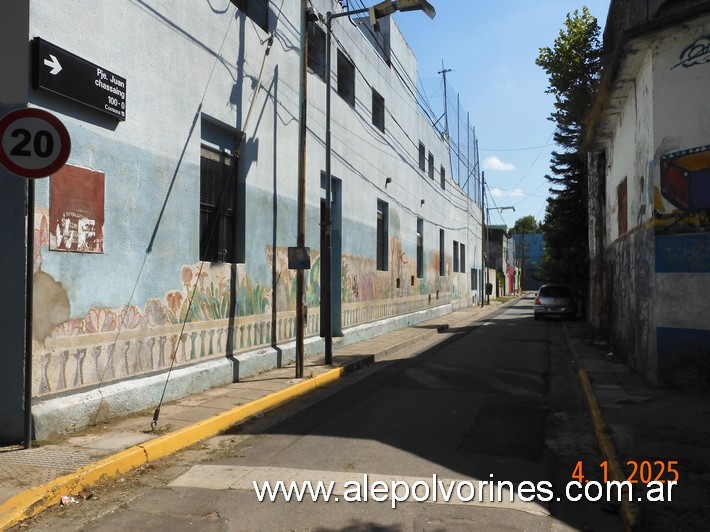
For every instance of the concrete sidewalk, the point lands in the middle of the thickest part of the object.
(32, 480)
(645, 424)
(640, 423)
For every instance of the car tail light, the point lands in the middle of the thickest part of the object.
(537, 299)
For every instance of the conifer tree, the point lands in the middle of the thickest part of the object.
(573, 67)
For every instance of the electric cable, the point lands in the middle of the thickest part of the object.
(227, 184)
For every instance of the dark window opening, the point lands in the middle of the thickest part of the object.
(431, 165)
(378, 110)
(382, 234)
(346, 79)
(420, 248)
(443, 178)
(422, 157)
(621, 194)
(462, 258)
(217, 206)
(442, 262)
(257, 10)
(316, 50)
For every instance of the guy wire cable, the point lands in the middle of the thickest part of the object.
(270, 42)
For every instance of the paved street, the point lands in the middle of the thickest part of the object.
(496, 401)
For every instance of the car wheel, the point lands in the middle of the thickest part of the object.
(537, 317)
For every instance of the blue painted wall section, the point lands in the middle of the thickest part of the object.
(680, 348)
(689, 253)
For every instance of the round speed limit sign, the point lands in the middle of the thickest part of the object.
(34, 143)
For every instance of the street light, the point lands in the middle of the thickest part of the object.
(488, 210)
(375, 12)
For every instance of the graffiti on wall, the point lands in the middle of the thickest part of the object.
(695, 54)
(76, 210)
(682, 205)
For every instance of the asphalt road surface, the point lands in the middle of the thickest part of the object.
(494, 405)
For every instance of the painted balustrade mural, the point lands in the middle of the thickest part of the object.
(211, 315)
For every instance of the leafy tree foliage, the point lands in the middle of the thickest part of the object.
(526, 224)
(573, 67)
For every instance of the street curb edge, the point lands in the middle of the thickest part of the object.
(34, 500)
(629, 510)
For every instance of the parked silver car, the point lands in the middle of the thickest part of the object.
(554, 300)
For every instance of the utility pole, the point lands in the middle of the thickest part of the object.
(301, 237)
(443, 72)
(522, 249)
(482, 289)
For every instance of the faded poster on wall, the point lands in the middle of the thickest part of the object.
(76, 210)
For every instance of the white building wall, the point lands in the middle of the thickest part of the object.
(660, 144)
(116, 315)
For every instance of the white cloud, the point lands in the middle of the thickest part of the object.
(499, 192)
(494, 163)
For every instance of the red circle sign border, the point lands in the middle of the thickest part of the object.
(61, 130)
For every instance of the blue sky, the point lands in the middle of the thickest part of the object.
(491, 49)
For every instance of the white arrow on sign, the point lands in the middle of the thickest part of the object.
(54, 63)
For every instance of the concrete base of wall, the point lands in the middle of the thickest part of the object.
(78, 410)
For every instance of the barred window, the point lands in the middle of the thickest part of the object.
(217, 206)
(316, 50)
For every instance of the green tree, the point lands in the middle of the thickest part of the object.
(526, 224)
(573, 67)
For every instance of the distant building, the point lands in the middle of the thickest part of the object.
(501, 258)
(529, 250)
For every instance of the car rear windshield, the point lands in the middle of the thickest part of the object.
(554, 291)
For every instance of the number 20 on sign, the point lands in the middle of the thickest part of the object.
(34, 143)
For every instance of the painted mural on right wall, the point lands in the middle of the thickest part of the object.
(682, 212)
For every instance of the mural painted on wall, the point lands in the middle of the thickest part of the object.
(76, 210)
(285, 281)
(682, 205)
(218, 310)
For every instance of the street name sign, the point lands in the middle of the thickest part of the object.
(33, 143)
(64, 73)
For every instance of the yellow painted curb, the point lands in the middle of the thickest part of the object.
(629, 510)
(34, 500)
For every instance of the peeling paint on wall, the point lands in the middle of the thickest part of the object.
(76, 210)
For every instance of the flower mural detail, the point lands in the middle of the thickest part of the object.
(175, 301)
(69, 328)
(130, 317)
(186, 276)
(100, 320)
(155, 313)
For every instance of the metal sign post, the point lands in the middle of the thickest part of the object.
(33, 144)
